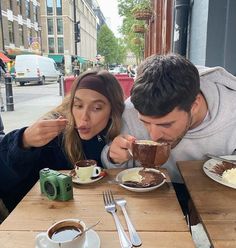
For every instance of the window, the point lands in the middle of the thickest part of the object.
(59, 26)
(50, 26)
(30, 36)
(21, 35)
(11, 32)
(35, 12)
(59, 7)
(10, 5)
(27, 9)
(60, 43)
(49, 7)
(20, 6)
(51, 45)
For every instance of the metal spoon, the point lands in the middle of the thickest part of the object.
(220, 158)
(87, 229)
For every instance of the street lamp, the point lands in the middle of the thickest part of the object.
(1, 20)
(74, 6)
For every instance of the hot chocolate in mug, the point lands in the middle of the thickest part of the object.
(66, 233)
(86, 169)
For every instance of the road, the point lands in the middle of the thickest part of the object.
(30, 103)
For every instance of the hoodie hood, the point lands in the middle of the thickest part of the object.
(219, 88)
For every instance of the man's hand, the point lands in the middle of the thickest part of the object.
(118, 151)
(42, 132)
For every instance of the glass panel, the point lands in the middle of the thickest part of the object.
(20, 6)
(21, 35)
(49, 7)
(59, 26)
(59, 7)
(35, 13)
(51, 45)
(60, 43)
(11, 33)
(27, 9)
(50, 26)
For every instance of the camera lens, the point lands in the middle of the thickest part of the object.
(49, 188)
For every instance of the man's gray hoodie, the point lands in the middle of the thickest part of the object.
(216, 134)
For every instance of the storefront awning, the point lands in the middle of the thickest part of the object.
(81, 60)
(4, 58)
(57, 58)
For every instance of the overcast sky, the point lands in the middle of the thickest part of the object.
(110, 11)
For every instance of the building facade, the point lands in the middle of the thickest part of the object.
(20, 27)
(68, 31)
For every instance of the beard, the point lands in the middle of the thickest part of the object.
(175, 142)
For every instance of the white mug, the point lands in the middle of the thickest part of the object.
(46, 240)
(85, 169)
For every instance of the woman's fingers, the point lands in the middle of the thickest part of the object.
(42, 132)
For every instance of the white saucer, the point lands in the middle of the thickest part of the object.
(75, 179)
(92, 240)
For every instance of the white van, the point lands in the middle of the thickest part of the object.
(35, 68)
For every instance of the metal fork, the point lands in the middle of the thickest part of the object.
(111, 208)
(135, 239)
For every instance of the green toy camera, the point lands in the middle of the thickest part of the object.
(55, 185)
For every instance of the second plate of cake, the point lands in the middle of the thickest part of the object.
(140, 179)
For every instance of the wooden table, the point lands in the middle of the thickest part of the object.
(156, 215)
(215, 204)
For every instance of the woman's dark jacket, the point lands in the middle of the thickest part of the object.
(19, 168)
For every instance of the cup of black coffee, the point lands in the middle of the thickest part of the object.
(68, 233)
(150, 153)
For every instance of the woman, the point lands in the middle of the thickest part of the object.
(85, 122)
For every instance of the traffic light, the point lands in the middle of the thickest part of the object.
(77, 31)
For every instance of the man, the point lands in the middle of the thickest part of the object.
(170, 104)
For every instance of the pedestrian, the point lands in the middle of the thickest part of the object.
(170, 103)
(87, 119)
(2, 68)
(76, 68)
(2, 133)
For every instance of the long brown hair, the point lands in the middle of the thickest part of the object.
(71, 139)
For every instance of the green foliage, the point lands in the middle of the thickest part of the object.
(110, 47)
(125, 8)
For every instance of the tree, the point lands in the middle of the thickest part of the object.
(107, 44)
(112, 48)
(125, 8)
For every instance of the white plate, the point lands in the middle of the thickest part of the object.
(92, 240)
(208, 168)
(146, 189)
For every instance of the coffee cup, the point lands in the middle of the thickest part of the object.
(85, 169)
(68, 233)
(150, 153)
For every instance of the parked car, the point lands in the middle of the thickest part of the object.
(118, 70)
(35, 68)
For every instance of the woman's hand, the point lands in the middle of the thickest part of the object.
(42, 132)
(118, 152)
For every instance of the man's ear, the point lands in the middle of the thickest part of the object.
(196, 104)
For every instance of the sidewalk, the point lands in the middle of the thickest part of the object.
(28, 112)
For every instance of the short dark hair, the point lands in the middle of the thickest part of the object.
(163, 83)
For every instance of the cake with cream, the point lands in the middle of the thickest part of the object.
(229, 176)
(143, 178)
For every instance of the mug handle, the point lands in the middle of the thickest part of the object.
(96, 171)
(41, 240)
